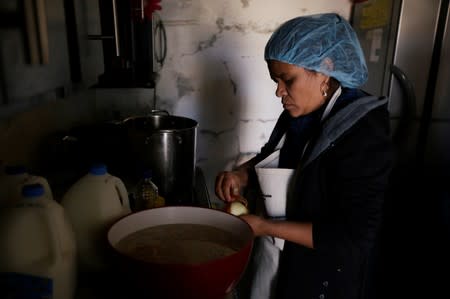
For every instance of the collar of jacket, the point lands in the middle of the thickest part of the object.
(340, 122)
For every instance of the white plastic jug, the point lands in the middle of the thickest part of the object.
(93, 204)
(37, 248)
(12, 181)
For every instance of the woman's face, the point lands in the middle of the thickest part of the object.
(300, 90)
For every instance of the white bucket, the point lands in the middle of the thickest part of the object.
(37, 248)
(93, 204)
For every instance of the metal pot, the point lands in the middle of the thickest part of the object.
(167, 145)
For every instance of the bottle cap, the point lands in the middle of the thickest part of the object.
(33, 190)
(98, 169)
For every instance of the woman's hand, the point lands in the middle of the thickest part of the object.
(229, 183)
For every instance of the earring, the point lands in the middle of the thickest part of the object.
(324, 87)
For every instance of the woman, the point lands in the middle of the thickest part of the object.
(336, 139)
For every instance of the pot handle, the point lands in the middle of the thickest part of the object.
(152, 112)
(159, 112)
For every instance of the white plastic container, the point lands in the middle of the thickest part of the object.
(37, 248)
(12, 181)
(93, 204)
(274, 183)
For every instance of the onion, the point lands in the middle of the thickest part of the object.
(237, 207)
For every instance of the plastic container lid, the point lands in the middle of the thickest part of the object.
(33, 190)
(15, 169)
(98, 169)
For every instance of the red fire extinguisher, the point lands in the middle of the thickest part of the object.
(143, 9)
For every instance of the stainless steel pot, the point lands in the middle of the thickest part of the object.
(167, 145)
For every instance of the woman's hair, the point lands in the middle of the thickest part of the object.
(325, 43)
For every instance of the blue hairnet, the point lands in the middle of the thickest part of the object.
(324, 43)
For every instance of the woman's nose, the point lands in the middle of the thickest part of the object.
(280, 90)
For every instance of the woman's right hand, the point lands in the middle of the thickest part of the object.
(229, 184)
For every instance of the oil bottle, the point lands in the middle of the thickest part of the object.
(146, 193)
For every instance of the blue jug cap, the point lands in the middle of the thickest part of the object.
(33, 190)
(15, 169)
(98, 169)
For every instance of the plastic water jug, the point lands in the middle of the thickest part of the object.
(37, 248)
(12, 181)
(93, 204)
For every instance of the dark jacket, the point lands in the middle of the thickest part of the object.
(339, 186)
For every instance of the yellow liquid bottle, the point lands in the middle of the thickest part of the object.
(147, 196)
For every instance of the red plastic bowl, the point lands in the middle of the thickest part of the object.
(211, 280)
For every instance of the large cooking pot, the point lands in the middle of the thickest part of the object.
(165, 144)
(211, 279)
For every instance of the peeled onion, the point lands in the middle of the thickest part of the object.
(237, 207)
